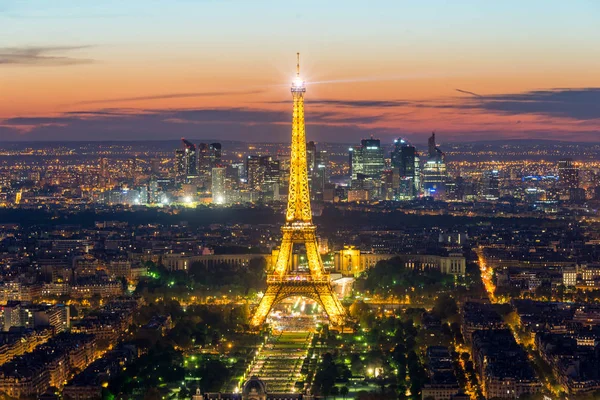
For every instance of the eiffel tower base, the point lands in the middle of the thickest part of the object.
(321, 292)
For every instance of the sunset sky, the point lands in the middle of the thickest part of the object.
(221, 69)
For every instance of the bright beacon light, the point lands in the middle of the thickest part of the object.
(298, 83)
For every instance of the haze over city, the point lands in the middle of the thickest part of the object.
(140, 70)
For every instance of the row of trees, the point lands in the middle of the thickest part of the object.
(392, 278)
(201, 280)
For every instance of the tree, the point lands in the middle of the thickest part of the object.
(344, 391)
(445, 307)
(335, 391)
(214, 375)
(152, 394)
(184, 393)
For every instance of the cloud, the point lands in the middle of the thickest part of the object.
(362, 103)
(169, 96)
(467, 92)
(353, 103)
(550, 114)
(27, 121)
(226, 123)
(579, 104)
(41, 56)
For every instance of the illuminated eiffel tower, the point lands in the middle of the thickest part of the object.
(284, 281)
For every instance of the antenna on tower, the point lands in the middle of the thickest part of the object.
(298, 65)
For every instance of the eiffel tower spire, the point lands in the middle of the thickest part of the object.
(284, 282)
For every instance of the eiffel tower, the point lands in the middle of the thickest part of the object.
(284, 281)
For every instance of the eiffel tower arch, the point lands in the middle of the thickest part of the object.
(284, 282)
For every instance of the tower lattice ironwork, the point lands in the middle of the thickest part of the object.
(284, 281)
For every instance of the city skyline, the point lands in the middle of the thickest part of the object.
(196, 69)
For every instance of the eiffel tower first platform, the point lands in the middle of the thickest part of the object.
(284, 281)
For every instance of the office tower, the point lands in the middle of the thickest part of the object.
(491, 185)
(153, 197)
(271, 171)
(180, 165)
(191, 159)
(143, 195)
(317, 162)
(568, 174)
(367, 159)
(204, 161)
(311, 158)
(240, 169)
(405, 161)
(319, 176)
(255, 171)
(389, 183)
(218, 185)
(215, 154)
(263, 173)
(434, 171)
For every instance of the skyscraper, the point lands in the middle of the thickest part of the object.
(434, 171)
(255, 172)
(263, 173)
(180, 165)
(191, 159)
(153, 193)
(404, 159)
(215, 154)
(491, 185)
(319, 174)
(218, 185)
(367, 159)
(568, 174)
(204, 162)
(311, 158)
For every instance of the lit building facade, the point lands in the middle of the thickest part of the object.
(434, 171)
(367, 159)
(406, 162)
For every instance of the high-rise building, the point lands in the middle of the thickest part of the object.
(215, 154)
(367, 159)
(218, 185)
(153, 195)
(204, 161)
(434, 171)
(404, 159)
(491, 185)
(255, 172)
(191, 159)
(389, 183)
(262, 172)
(180, 165)
(311, 158)
(318, 171)
(568, 174)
